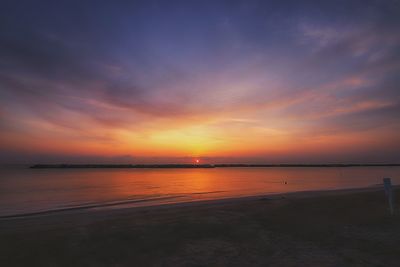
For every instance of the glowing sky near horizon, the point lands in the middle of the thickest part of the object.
(219, 81)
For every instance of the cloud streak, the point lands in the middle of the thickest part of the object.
(115, 78)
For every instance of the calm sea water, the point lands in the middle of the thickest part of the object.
(24, 190)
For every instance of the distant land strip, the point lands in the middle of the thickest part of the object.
(183, 166)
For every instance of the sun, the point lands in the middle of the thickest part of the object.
(197, 160)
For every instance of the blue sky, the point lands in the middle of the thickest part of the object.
(251, 81)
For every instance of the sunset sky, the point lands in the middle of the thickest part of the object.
(220, 81)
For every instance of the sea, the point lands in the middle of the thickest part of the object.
(25, 191)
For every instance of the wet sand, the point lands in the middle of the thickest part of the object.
(331, 228)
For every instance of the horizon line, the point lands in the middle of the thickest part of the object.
(219, 165)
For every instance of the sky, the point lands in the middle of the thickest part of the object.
(220, 81)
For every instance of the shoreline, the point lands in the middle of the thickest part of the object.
(123, 206)
(346, 227)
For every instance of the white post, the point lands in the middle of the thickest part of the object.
(387, 183)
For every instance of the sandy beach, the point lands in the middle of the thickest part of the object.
(325, 228)
(200, 133)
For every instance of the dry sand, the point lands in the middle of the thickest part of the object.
(333, 228)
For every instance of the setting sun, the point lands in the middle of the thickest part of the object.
(199, 133)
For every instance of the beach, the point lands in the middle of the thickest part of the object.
(349, 227)
(200, 133)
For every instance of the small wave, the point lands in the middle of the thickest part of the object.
(91, 206)
(204, 193)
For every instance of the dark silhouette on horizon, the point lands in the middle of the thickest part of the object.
(72, 166)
